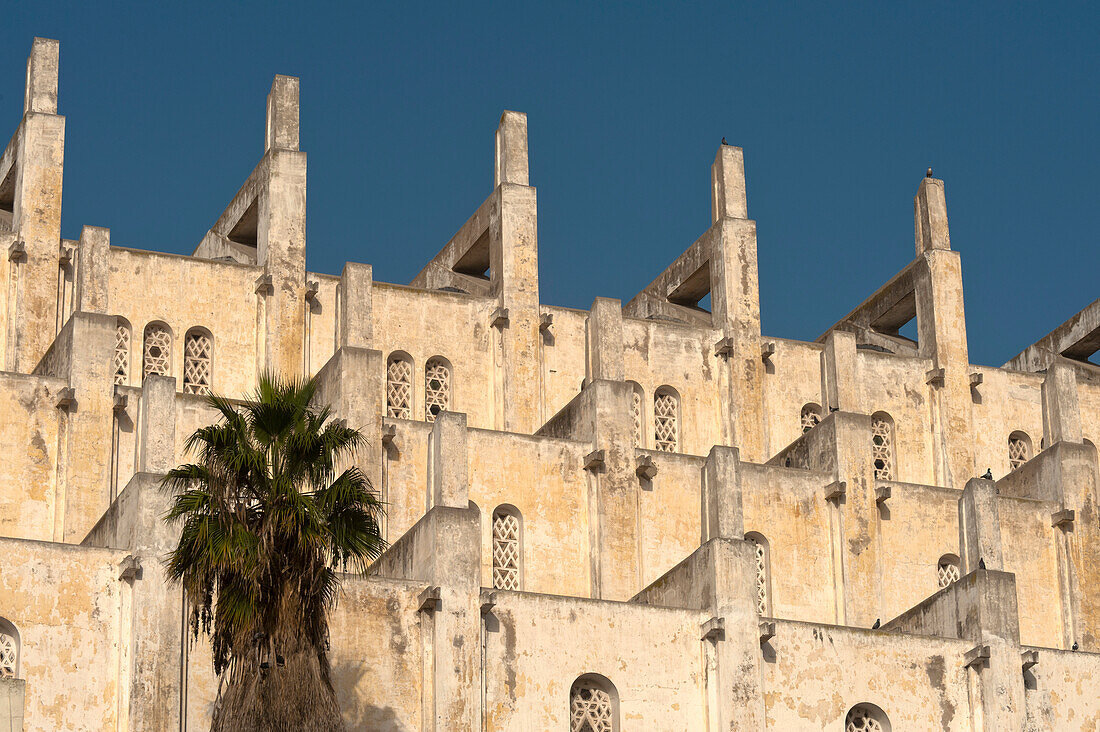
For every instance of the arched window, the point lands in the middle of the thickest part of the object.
(882, 445)
(763, 572)
(120, 362)
(399, 375)
(506, 548)
(666, 420)
(157, 350)
(947, 570)
(198, 358)
(593, 705)
(811, 415)
(866, 718)
(1019, 449)
(437, 387)
(637, 397)
(9, 650)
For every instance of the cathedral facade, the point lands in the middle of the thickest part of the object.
(642, 516)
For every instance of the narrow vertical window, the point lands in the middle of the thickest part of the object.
(947, 570)
(763, 596)
(198, 353)
(9, 650)
(666, 417)
(882, 445)
(637, 397)
(157, 350)
(437, 388)
(593, 705)
(506, 549)
(120, 362)
(399, 386)
(1019, 450)
(811, 416)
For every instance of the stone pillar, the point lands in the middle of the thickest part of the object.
(36, 213)
(90, 422)
(942, 326)
(281, 230)
(514, 275)
(839, 372)
(604, 341)
(930, 216)
(510, 163)
(980, 526)
(282, 114)
(740, 691)
(355, 292)
(727, 185)
(613, 493)
(857, 516)
(157, 425)
(94, 270)
(722, 513)
(352, 383)
(449, 461)
(735, 302)
(1061, 409)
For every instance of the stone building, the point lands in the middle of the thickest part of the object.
(644, 516)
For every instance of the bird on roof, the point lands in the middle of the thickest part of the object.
(928, 174)
(988, 474)
(877, 624)
(981, 563)
(1075, 646)
(724, 141)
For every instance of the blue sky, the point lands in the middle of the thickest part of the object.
(839, 109)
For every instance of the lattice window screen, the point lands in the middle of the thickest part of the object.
(1019, 452)
(158, 351)
(862, 719)
(121, 360)
(811, 416)
(197, 353)
(665, 427)
(505, 551)
(7, 656)
(636, 406)
(761, 576)
(399, 389)
(437, 389)
(590, 708)
(948, 572)
(882, 448)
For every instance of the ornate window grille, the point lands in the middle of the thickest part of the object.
(157, 351)
(761, 573)
(864, 718)
(505, 551)
(121, 360)
(437, 388)
(198, 351)
(882, 447)
(665, 418)
(399, 388)
(947, 571)
(8, 654)
(1019, 450)
(591, 708)
(636, 406)
(811, 416)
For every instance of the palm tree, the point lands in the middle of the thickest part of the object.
(268, 519)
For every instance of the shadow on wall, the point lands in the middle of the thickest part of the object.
(358, 715)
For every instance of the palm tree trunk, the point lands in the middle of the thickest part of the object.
(296, 695)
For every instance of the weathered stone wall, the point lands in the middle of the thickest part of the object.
(71, 612)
